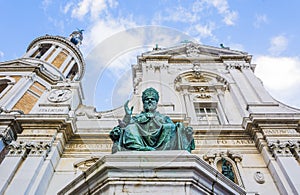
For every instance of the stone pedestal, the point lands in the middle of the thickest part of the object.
(151, 172)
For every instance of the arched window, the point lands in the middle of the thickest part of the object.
(203, 89)
(73, 72)
(41, 51)
(229, 169)
(5, 85)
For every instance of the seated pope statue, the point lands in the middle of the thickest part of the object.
(150, 130)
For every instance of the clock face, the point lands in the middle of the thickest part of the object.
(59, 95)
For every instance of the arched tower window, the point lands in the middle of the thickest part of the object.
(5, 85)
(73, 72)
(41, 51)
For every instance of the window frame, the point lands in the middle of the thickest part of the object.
(207, 113)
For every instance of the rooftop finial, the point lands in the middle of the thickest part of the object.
(76, 37)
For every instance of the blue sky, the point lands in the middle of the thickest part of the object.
(266, 29)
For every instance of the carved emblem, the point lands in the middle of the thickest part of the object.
(192, 51)
(259, 177)
(59, 95)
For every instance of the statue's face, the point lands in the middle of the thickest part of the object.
(150, 104)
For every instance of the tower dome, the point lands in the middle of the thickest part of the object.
(59, 55)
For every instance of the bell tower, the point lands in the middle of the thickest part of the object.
(39, 94)
(59, 55)
(53, 85)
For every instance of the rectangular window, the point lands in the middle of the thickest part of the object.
(207, 115)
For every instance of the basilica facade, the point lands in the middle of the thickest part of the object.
(246, 142)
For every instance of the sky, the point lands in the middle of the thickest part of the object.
(117, 31)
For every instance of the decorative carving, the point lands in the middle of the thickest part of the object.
(86, 163)
(237, 157)
(281, 148)
(8, 135)
(16, 149)
(156, 67)
(203, 94)
(211, 156)
(38, 148)
(29, 148)
(259, 177)
(192, 50)
(4, 110)
(295, 149)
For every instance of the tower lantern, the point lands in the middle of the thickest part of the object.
(59, 55)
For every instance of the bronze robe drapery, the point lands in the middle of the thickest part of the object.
(154, 131)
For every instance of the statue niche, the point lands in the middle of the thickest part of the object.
(150, 130)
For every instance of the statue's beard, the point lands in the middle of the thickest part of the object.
(150, 107)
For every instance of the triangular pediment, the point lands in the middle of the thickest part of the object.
(18, 64)
(28, 65)
(193, 50)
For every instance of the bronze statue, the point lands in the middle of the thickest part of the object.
(150, 130)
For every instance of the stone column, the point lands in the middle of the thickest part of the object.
(25, 172)
(53, 56)
(31, 51)
(68, 69)
(48, 52)
(10, 164)
(189, 105)
(260, 91)
(65, 63)
(244, 87)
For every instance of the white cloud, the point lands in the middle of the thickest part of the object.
(259, 20)
(278, 45)
(103, 29)
(181, 14)
(205, 30)
(280, 76)
(67, 7)
(46, 3)
(223, 8)
(278, 73)
(1, 54)
(91, 7)
(59, 24)
(230, 18)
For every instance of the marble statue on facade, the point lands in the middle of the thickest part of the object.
(150, 130)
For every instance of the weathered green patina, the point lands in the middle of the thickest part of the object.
(150, 130)
(227, 169)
